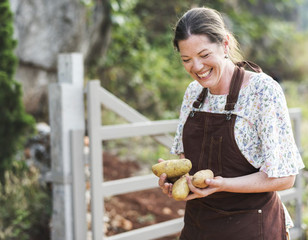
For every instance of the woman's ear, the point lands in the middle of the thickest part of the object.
(226, 43)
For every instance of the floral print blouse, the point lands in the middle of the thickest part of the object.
(263, 130)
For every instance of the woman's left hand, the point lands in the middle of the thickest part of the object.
(214, 185)
(252, 183)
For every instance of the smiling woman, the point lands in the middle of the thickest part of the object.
(236, 123)
(205, 62)
(207, 48)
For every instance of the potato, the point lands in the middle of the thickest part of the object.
(173, 168)
(180, 189)
(198, 179)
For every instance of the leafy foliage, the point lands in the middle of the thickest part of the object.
(24, 204)
(14, 122)
(139, 72)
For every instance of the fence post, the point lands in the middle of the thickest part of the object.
(78, 185)
(66, 113)
(96, 158)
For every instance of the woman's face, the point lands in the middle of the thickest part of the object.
(205, 62)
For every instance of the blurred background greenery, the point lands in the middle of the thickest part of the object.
(141, 67)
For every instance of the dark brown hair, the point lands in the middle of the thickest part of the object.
(209, 22)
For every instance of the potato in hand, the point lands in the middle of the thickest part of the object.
(177, 170)
(173, 168)
(198, 179)
(180, 189)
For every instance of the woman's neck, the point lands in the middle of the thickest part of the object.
(225, 81)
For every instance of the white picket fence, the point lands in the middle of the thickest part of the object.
(69, 222)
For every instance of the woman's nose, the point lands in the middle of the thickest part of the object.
(197, 65)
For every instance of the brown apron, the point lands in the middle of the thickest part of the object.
(209, 142)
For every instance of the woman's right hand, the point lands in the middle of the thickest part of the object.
(164, 185)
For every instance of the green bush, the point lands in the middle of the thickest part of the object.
(25, 205)
(15, 124)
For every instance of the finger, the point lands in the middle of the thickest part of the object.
(192, 187)
(160, 160)
(162, 179)
(165, 188)
(215, 182)
(209, 182)
(170, 190)
(191, 196)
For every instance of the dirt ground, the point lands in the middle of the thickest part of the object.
(139, 209)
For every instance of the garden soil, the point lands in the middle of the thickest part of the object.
(138, 209)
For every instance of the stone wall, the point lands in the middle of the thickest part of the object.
(45, 28)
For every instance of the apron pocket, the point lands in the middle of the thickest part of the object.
(209, 223)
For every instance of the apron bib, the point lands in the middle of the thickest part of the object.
(209, 142)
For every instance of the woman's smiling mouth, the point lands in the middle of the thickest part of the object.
(206, 74)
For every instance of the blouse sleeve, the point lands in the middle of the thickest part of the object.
(189, 96)
(280, 155)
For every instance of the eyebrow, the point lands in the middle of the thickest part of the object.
(198, 52)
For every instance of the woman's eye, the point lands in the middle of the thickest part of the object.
(186, 60)
(205, 56)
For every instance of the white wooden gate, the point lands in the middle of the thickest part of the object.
(138, 126)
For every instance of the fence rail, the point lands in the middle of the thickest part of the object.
(148, 128)
(127, 185)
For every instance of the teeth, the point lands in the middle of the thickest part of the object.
(204, 74)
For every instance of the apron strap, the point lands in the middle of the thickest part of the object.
(198, 103)
(235, 86)
(252, 65)
(236, 82)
